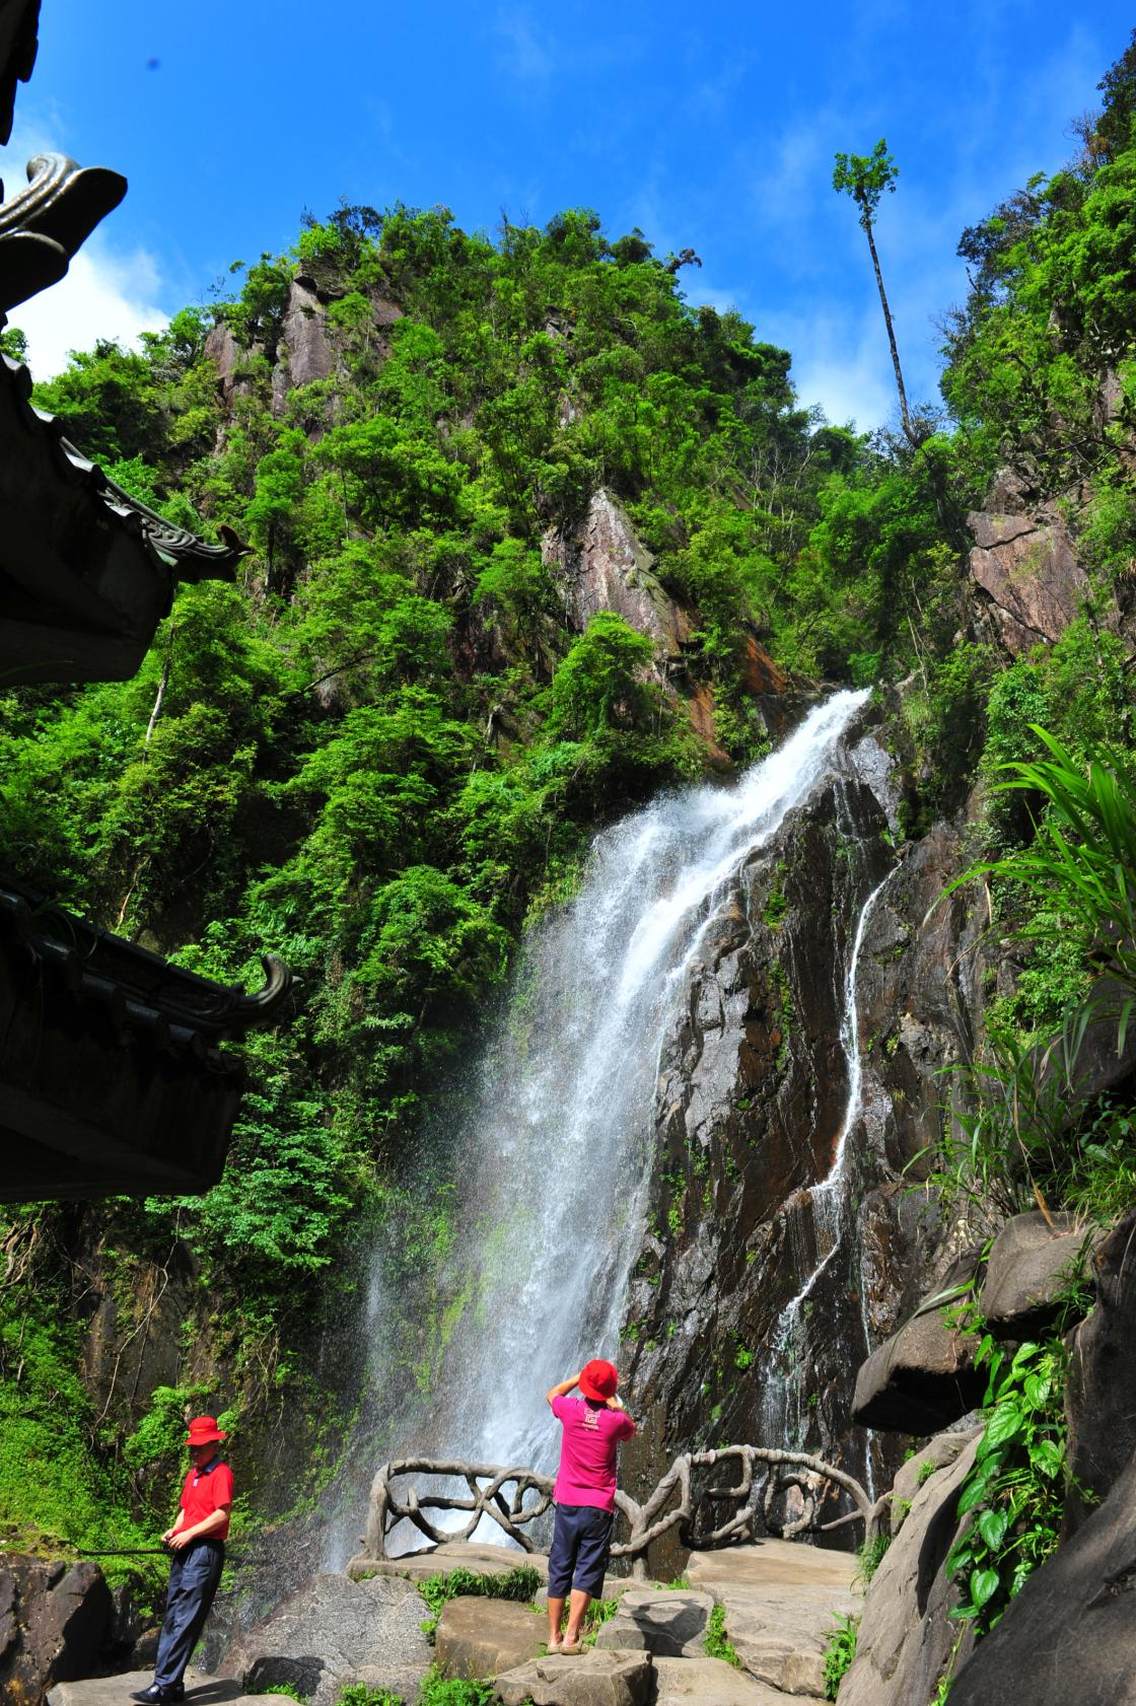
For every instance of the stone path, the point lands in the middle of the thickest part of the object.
(779, 1599)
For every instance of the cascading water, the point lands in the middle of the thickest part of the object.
(558, 1154)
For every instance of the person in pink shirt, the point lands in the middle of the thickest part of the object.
(584, 1495)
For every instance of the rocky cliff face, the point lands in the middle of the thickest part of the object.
(756, 1295)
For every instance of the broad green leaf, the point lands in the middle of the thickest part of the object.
(992, 1526)
(983, 1586)
(1004, 1424)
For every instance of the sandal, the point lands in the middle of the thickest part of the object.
(571, 1648)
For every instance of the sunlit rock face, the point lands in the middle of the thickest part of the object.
(1027, 567)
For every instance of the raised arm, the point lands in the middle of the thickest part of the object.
(563, 1389)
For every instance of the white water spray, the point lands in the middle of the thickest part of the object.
(558, 1153)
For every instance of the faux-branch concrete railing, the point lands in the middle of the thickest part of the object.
(754, 1497)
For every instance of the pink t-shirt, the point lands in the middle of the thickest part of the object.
(587, 1452)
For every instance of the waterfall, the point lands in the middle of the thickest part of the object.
(556, 1158)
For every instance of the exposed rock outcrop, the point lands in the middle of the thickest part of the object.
(600, 564)
(1027, 567)
(922, 1377)
(1101, 1392)
(590, 1679)
(906, 1635)
(1032, 1263)
(56, 1622)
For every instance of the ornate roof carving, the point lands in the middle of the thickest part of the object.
(44, 225)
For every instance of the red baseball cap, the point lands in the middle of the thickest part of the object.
(598, 1379)
(203, 1430)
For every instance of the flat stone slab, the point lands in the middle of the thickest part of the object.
(479, 1637)
(596, 1678)
(712, 1682)
(780, 1598)
(200, 1690)
(660, 1620)
(439, 1560)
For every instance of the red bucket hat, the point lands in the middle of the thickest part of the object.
(598, 1379)
(203, 1430)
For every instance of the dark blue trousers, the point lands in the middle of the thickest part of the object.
(194, 1575)
(577, 1558)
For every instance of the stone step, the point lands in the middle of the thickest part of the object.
(780, 1599)
(712, 1682)
(661, 1620)
(479, 1637)
(200, 1690)
(597, 1678)
(454, 1555)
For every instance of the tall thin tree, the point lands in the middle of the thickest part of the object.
(865, 177)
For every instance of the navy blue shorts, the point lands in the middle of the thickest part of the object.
(577, 1558)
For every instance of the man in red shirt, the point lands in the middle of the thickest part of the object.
(584, 1495)
(197, 1541)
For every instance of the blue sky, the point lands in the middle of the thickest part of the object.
(711, 125)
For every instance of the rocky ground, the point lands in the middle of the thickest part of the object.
(778, 1598)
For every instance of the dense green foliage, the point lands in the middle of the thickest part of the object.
(1015, 1491)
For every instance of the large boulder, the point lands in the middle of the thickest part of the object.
(598, 1678)
(482, 1637)
(1101, 1392)
(906, 1633)
(1030, 1265)
(938, 1453)
(1028, 568)
(1070, 1635)
(922, 1378)
(330, 1632)
(55, 1624)
(661, 1620)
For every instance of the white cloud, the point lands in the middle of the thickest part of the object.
(104, 295)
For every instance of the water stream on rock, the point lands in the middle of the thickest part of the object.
(782, 1418)
(558, 1153)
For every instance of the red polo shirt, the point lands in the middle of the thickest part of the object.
(204, 1491)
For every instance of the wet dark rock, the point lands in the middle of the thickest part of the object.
(1031, 1264)
(1101, 1392)
(906, 1633)
(1070, 1635)
(923, 1377)
(56, 1624)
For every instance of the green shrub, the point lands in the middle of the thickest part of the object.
(839, 1652)
(716, 1641)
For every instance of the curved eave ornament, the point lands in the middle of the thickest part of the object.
(43, 226)
(86, 570)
